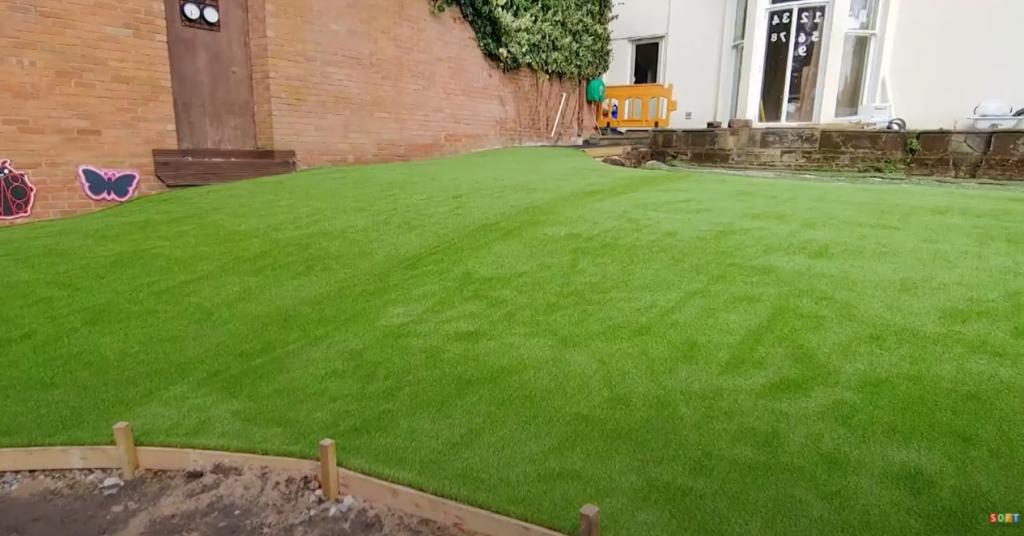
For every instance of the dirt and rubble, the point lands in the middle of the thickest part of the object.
(224, 500)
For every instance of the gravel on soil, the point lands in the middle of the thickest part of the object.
(226, 500)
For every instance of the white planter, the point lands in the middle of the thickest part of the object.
(996, 123)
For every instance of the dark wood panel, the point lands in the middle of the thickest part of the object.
(227, 167)
(195, 168)
(178, 181)
(182, 177)
(241, 169)
(211, 79)
(221, 154)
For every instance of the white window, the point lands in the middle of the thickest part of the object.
(796, 73)
(858, 56)
(794, 47)
(739, 37)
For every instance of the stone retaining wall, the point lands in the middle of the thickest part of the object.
(997, 155)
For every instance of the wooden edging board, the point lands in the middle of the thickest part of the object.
(128, 458)
(59, 458)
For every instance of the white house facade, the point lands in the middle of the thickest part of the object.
(788, 62)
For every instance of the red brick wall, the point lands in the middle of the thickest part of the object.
(260, 65)
(82, 82)
(339, 81)
(357, 81)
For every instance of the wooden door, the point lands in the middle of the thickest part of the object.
(211, 78)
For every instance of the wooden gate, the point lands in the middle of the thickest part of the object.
(211, 79)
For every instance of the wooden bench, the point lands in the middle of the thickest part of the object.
(198, 167)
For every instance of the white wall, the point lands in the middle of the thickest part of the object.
(950, 55)
(636, 19)
(691, 53)
(639, 18)
(620, 72)
(694, 58)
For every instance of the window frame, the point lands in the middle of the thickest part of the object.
(736, 52)
(660, 40)
(871, 66)
(837, 28)
(821, 102)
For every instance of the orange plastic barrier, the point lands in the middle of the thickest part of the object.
(636, 106)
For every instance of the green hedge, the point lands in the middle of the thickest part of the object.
(565, 38)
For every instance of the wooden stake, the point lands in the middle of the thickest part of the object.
(558, 118)
(126, 450)
(580, 107)
(590, 520)
(328, 469)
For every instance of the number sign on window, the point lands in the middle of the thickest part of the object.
(781, 26)
(808, 29)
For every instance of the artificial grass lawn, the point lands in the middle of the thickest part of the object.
(529, 330)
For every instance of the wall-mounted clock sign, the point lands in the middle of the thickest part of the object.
(211, 15)
(201, 14)
(191, 11)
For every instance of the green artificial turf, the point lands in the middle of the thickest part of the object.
(529, 330)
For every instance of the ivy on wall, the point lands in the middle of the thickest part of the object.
(563, 38)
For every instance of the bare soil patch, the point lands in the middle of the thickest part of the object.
(223, 501)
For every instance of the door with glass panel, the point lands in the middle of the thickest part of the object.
(794, 47)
